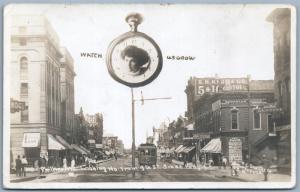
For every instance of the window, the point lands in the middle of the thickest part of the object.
(23, 41)
(271, 124)
(24, 115)
(234, 119)
(24, 88)
(24, 68)
(22, 29)
(24, 64)
(256, 119)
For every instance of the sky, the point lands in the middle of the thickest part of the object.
(228, 40)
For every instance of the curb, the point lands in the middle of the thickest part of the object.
(24, 179)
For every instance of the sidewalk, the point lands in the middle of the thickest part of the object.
(29, 176)
(33, 174)
(254, 177)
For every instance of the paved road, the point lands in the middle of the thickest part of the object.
(162, 174)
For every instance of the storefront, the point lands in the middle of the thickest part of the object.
(31, 145)
(211, 152)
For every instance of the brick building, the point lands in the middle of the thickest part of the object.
(281, 18)
(228, 113)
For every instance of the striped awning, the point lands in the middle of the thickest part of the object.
(64, 142)
(84, 149)
(54, 144)
(77, 148)
(178, 148)
(214, 146)
(188, 149)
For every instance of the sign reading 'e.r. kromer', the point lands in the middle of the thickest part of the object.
(216, 85)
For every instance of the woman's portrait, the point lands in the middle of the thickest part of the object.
(136, 59)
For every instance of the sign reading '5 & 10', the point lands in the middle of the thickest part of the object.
(216, 85)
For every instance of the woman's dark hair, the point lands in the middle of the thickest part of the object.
(140, 56)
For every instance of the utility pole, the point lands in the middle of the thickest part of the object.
(133, 121)
(133, 131)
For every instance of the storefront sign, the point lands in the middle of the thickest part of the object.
(31, 140)
(235, 150)
(216, 85)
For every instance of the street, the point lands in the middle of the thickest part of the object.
(162, 174)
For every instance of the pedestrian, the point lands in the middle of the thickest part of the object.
(18, 166)
(184, 161)
(73, 163)
(40, 164)
(65, 163)
(210, 162)
(23, 165)
(266, 165)
(224, 162)
(116, 156)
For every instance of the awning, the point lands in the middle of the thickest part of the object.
(64, 142)
(188, 149)
(214, 146)
(91, 141)
(31, 140)
(178, 148)
(177, 135)
(190, 127)
(53, 144)
(75, 147)
(84, 149)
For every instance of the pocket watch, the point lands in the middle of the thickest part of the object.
(134, 59)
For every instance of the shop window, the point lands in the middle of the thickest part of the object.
(256, 119)
(32, 154)
(234, 119)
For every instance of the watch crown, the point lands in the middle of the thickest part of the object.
(134, 19)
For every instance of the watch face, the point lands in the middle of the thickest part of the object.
(134, 59)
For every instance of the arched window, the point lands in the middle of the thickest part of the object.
(23, 68)
(24, 63)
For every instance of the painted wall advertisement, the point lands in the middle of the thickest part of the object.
(235, 150)
(216, 85)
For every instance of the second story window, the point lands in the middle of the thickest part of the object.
(256, 119)
(24, 89)
(234, 119)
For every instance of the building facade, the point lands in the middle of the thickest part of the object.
(281, 19)
(35, 67)
(230, 112)
(110, 142)
(89, 129)
(67, 76)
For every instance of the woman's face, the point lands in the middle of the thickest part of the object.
(132, 64)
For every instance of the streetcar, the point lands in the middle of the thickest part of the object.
(147, 154)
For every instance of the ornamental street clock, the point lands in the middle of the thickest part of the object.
(133, 58)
